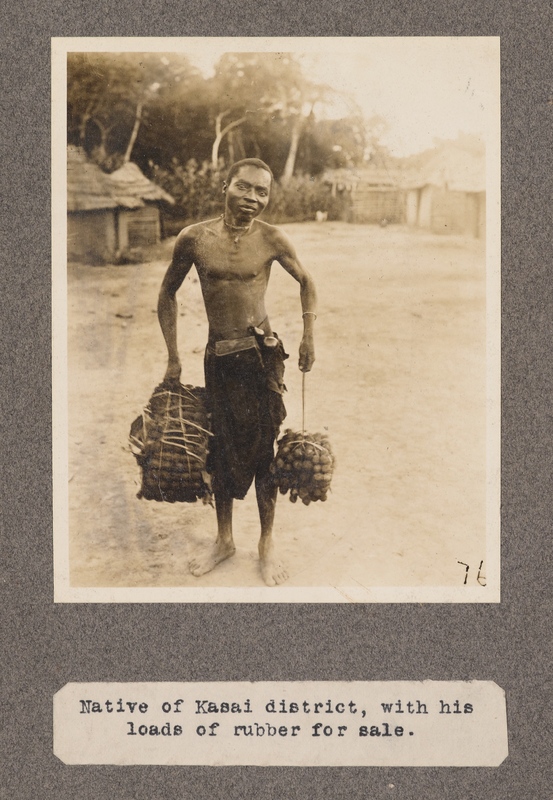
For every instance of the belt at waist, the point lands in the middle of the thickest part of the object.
(223, 347)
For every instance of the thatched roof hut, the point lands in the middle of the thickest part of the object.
(88, 188)
(139, 218)
(91, 211)
(109, 215)
(132, 188)
(447, 193)
(451, 167)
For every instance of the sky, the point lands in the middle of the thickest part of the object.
(425, 87)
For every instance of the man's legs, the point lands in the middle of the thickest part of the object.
(223, 548)
(272, 569)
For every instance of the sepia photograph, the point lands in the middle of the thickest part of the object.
(276, 319)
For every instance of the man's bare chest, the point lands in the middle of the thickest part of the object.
(241, 258)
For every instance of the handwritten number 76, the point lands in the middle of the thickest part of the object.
(481, 579)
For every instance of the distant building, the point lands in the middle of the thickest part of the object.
(447, 194)
(442, 191)
(375, 195)
(108, 215)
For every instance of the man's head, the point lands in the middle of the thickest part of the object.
(247, 189)
(248, 162)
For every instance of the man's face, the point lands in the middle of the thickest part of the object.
(248, 193)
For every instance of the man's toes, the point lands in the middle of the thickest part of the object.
(273, 574)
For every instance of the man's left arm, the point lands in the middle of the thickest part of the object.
(288, 259)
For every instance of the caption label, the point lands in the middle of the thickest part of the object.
(400, 723)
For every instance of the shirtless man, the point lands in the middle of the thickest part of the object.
(244, 359)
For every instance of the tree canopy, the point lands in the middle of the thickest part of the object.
(159, 109)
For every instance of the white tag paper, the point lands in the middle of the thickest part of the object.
(399, 723)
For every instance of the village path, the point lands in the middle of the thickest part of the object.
(399, 385)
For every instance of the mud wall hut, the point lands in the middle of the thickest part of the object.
(377, 198)
(91, 211)
(448, 194)
(139, 200)
(374, 194)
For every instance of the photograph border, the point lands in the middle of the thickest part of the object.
(64, 592)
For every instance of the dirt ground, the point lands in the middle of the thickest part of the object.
(399, 384)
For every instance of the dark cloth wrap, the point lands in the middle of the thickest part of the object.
(244, 397)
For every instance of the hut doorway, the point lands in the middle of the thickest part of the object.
(142, 226)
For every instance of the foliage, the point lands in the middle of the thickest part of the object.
(161, 108)
(106, 92)
(335, 143)
(376, 154)
(298, 200)
(197, 189)
(184, 130)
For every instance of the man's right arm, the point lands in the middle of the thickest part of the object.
(181, 263)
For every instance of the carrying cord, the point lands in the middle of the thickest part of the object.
(303, 404)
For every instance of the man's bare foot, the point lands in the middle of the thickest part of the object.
(272, 568)
(208, 557)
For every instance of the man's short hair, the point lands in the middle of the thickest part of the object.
(248, 162)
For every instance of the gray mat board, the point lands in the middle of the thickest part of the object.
(46, 646)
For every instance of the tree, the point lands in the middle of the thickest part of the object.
(261, 93)
(376, 153)
(339, 143)
(159, 110)
(109, 96)
(241, 92)
(220, 134)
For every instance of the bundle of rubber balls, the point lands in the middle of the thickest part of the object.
(170, 443)
(303, 465)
